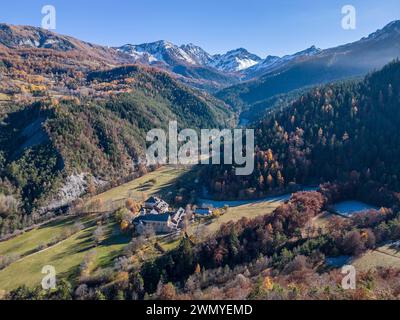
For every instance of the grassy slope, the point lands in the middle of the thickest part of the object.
(249, 211)
(67, 256)
(28, 241)
(384, 256)
(151, 183)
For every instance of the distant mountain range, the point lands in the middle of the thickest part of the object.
(217, 71)
(314, 66)
(243, 77)
(189, 63)
(238, 62)
(271, 63)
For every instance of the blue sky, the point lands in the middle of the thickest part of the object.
(261, 26)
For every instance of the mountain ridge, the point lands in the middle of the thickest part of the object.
(338, 132)
(346, 61)
(190, 63)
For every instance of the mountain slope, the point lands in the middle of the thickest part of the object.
(343, 132)
(71, 144)
(197, 54)
(170, 55)
(190, 63)
(27, 37)
(159, 52)
(351, 60)
(57, 59)
(235, 60)
(271, 63)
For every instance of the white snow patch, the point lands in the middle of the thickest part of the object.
(244, 64)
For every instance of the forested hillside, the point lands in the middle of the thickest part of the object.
(280, 255)
(50, 144)
(36, 62)
(346, 131)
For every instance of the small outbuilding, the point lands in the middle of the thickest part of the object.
(203, 212)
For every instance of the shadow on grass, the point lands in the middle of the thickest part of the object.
(59, 223)
(144, 187)
(114, 236)
(185, 183)
(395, 247)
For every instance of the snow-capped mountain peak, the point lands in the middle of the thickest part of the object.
(235, 60)
(160, 51)
(189, 54)
(198, 54)
(271, 63)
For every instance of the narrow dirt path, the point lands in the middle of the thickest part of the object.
(43, 250)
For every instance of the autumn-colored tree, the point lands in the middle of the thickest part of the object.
(352, 243)
(77, 206)
(270, 180)
(122, 279)
(91, 188)
(198, 269)
(268, 284)
(96, 205)
(98, 235)
(132, 205)
(364, 235)
(88, 263)
(280, 180)
(270, 155)
(167, 292)
(216, 213)
(124, 225)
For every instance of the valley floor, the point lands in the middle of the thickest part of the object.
(35, 249)
(67, 255)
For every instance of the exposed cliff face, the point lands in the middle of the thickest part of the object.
(74, 187)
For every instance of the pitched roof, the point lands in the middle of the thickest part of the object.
(153, 200)
(203, 209)
(152, 217)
